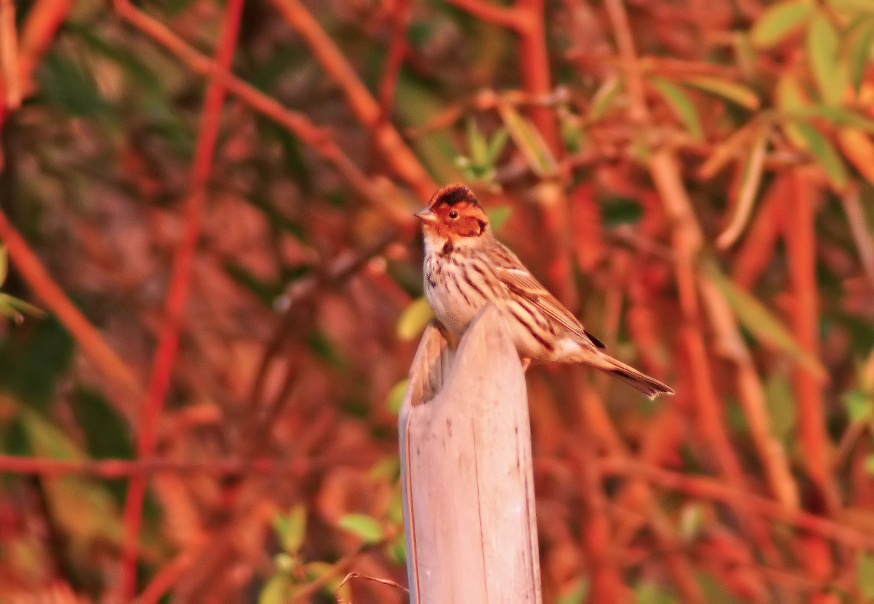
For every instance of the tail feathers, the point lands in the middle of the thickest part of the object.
(634, 378)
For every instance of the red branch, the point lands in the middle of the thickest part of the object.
(799, 234)
(10, 84)
(386, 138)
(534, 61)
(50, 294)
(177, 296)
(38, 32)
(124, 468)
(709, 488)
(397, 51)
(318, 139)
(495, 14)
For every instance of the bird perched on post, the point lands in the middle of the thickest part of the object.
(466, 267)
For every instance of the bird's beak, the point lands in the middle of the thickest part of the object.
(426, 215)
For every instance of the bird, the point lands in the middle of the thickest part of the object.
(466, 267)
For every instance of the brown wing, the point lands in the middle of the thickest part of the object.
(522, 283)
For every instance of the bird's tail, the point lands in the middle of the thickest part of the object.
(646, 384)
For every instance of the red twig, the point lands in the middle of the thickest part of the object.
(525, 18)
(363, 105)
(296, 123)
(124, 468)
(171, 571)
(534, 61)
(757, 248)
(10, 83)
(495, 14)
(799, 234)
(168, 342)
(598, 537)
(709, 488)
(43, 20)
(397, 50)
(20, 61)
(53, 297)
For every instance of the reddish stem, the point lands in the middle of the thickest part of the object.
(799, 234)
(366, 109)
(397, 51)
(177, 296)
(124, 468)
(534, 61)
(50, 294)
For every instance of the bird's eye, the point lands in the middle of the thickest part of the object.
(453, 214)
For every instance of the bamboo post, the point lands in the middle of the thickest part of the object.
(466, 471)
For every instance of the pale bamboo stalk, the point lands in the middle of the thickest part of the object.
(466, 471)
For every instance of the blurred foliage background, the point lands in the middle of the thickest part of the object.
(211, 288)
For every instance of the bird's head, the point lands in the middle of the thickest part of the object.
(454, 213)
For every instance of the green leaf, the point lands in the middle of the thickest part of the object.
(714, 591)
(692, 522)
(734, 92)
(138, 71)
(291, 528)
(825, 154)
(476, 143)
(414, 319)
(780, 402)
(746, 56)
(65, 84)
(823, 45)
(266, 291)
(46, 439)
(498, 216)
(317, 571)
(650, 593)
(30, 366)
(761, 322)
(859, 51)
(396, 396)
(397, 550)
(840, 116)
(14, 307)
(284, 563)
(577, 594)
(604, 96)
(853, 7)
(616, 211)
(858, 405)
(572, 132)
(107, 432)
(496, 146)
(277, 590)
(84, 510)
(529, 141)
(790, 96)
(749, 186)
(395, 511)
(858, 150)
(366, 528)
(386, 469)
(778, 22)
(480, 166)
(681, 105)
(322, 346)
(293, 161)
(866, 574)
